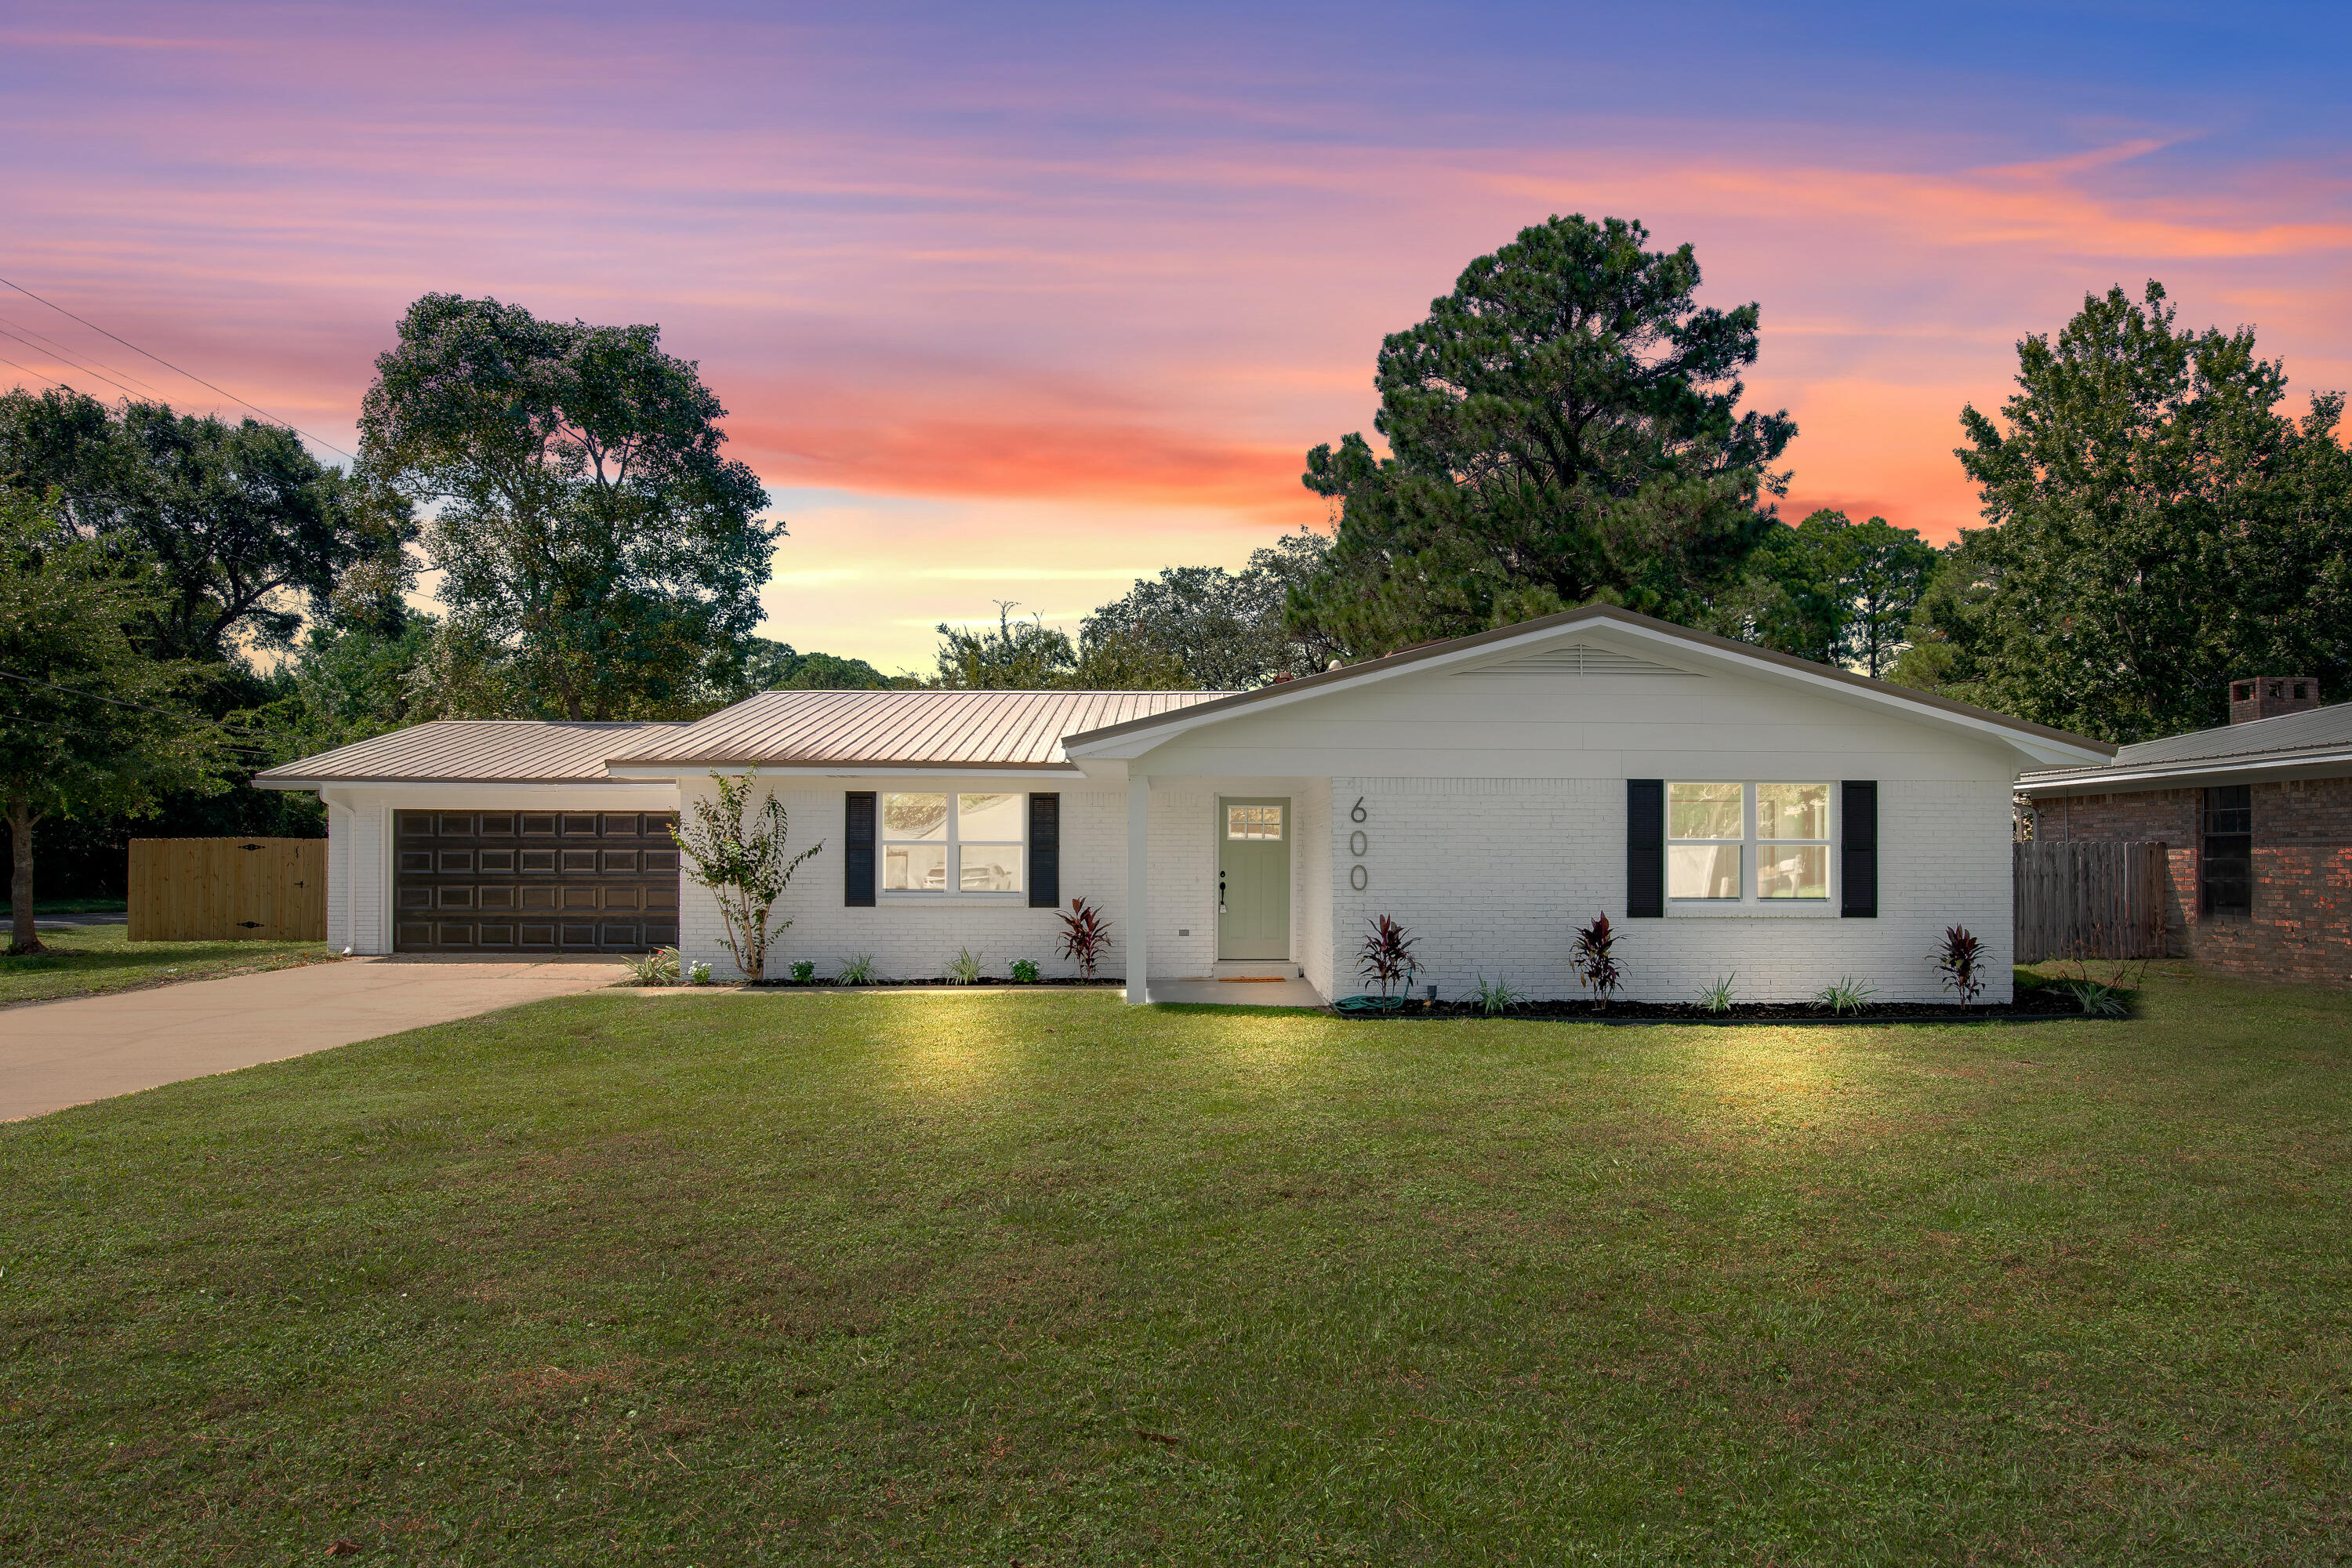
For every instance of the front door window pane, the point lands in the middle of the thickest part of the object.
(992, 867)
(1703, 871)
(1254, 822)
(915, 868)
(1793, 871)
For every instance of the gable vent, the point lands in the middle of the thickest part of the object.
(1578, 658)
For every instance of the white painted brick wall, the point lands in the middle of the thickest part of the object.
(910, 940)
(1493, 875)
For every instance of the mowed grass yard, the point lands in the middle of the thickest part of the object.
(1040, 1280)
(93, 959)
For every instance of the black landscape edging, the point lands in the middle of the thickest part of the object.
(1892, 1013)
(1040, 984)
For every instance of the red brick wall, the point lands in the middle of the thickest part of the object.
(2302, 924)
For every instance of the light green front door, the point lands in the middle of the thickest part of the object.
(1253, 878)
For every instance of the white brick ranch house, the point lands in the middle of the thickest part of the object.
(1734, 810)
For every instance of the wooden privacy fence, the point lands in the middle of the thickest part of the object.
(229, 890)
(2090, 900)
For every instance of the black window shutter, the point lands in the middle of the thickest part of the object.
(1858, 859)
(1646, 848)
(1044, 851)
(857, 830)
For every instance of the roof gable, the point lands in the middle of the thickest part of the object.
(1636, 638)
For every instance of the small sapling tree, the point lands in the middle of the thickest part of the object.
(743, 865)
(1595, 961)
(1085, 936)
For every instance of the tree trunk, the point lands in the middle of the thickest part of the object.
(26, 936)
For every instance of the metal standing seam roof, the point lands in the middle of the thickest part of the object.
(2257, 740)
(902, 728)
(471, 751)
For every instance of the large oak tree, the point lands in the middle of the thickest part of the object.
(593, 545)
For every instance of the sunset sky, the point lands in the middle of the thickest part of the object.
(1022, 301)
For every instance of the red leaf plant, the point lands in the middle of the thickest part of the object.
(1085, 936)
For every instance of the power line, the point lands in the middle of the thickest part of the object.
(167, 364)
(28, 370)
(63, 359)
(102, 367)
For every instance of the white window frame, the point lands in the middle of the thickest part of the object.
(954, 891)
(1748, 903)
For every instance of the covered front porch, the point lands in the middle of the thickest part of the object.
(1229, 890)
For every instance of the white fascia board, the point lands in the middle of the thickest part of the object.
(1663, 646)
(591, 793)
(510, 786)
(2334, 763)
(679, 772)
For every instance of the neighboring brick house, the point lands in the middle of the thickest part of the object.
(2256, 819)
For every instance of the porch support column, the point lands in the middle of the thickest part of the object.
(1138, 886)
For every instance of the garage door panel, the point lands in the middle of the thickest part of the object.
(595, 881)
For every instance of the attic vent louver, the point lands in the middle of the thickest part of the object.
(1578, 658)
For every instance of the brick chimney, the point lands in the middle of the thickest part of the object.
(2268, 696)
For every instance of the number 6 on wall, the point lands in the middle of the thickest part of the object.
(1359, 814)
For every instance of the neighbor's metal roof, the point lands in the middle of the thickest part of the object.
(471, 751)
(939, 729)
(2288, 736)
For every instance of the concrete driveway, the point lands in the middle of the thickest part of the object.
(68, 1052)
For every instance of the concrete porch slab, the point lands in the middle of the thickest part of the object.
(1284, 992)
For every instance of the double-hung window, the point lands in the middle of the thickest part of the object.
(953, 843)
(1766, 844)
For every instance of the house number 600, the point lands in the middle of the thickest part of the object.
(1358, 877)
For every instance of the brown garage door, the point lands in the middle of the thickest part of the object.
(534, 882)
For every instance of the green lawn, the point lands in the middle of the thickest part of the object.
(102, 904)
(98, 958)
(1040, 1280)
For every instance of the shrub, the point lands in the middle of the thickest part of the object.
(745, 868)
(2094, 999)
(804, 970)
(1085, 936)
(1386, 955)
(1495, 996)
(1595, 961)
(697, 974)
(1024, 971)
(857, 970)
(1960, 961)
(658, 967)
(1717, 998)
(1848, 995)
(964, 967)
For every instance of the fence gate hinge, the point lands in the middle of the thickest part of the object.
(248, 925)
(248, 846)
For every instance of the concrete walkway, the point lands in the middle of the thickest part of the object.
(81, 1048)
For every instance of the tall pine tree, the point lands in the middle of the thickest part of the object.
(1563, 427)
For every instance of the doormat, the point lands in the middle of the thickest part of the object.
(1251, 979)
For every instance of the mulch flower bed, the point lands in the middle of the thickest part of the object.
(2029, 1006)
(791, 984)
